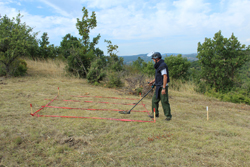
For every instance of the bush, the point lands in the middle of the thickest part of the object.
(148, 68)
(178, 66)
(96, 71)
(175, 84)
(235, 97)
(61, 57)
(2, 70)
(201, 87)
(19, 68)
(113, 80)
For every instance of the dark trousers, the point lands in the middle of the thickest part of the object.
(164, 101)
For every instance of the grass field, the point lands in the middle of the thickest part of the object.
(187, 140)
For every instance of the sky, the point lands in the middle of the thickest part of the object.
(138, 26)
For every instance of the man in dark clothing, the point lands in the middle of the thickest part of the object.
(161, 81)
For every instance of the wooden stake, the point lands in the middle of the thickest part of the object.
(58, 91)
(207, 114)
(31, 108)
(154, 114)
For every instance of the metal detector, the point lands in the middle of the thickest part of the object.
(128, 112)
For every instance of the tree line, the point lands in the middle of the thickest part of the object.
(220, 69)
(84, 59)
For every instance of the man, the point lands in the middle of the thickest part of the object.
(161, 81)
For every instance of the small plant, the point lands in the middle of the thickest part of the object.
(114, 80)
(18, 140)
(19, 68)
(96, 71)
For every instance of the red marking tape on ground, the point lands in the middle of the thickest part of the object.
(89, 109)
(94, 102)
(145, 108)
(44, 106)
(125, 120)
(107, 97)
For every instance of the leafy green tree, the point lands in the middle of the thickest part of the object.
(33, 49)
(97, 71)
(114, 62)
(178, 66)
(67, 44)
(15, 39)
(220, 60)
(46, 50)
(114, 66)
(148, 68)
(80, 60)
(138, 64)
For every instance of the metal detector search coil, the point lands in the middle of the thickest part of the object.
(128, 112)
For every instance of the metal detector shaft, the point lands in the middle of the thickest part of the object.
(141, 99)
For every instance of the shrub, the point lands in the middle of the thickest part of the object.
(235, 97)
(175, 84)
(201, 87)
(19, 68)
(178, 66)
(96, 71)
(2, 70)
(113, 80)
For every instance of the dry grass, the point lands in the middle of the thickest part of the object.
(187, 140)
(46, 68)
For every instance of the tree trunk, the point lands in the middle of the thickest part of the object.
(7, 67)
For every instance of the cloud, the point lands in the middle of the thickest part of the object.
(105, 4)
(172, 23)
(55, 26)
(56, 8)
(182, 17)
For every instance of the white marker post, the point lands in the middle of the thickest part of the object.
(207, 114)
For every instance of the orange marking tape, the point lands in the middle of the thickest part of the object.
(89, 109)
(125, 120)
(94, 102)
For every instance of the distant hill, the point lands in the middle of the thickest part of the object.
(130, 59)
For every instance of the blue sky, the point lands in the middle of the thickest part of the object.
(141, 26)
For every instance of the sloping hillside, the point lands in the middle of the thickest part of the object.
(187, 140)
(130, 59)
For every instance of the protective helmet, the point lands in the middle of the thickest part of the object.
(154, 55)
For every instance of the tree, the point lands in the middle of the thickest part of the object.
(67, 44)
(80, 60)
(148, 68)
(220, 60)
(97, 71)
(15, 39)
(33, 49)
(114, 62)
(46, 50)
(114, 66)
(138, 64)
(178, 66)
